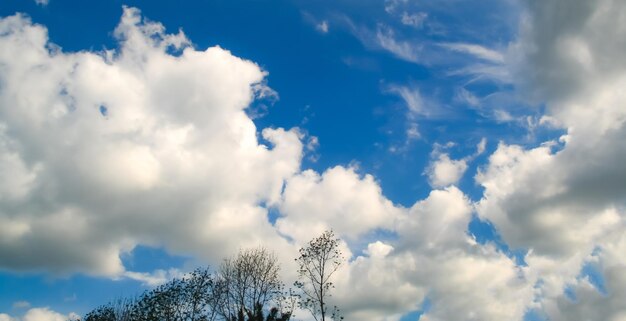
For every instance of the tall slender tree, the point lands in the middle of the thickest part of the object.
(318, 261)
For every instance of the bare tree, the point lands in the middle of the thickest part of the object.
(318, 261)
(248, 284)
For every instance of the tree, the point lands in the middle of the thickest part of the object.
(246, 288)
(249, 283)
(186, 299)
(119, 310)
(318, 261)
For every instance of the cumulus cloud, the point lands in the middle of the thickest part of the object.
(39, 314)
(566, 204)
(45, 314)
(149, 143)
(339, 198)
(577, 51)
(434, 258)
(444, 171)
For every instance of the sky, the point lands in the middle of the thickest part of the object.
(468, 154)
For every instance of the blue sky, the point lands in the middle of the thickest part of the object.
(479, 139)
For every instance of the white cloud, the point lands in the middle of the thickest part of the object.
(173, 161)
(21, 304)
(417, 107)
(378, 249)
(480, 148)
(391, 5)
(444, 171)
(485, 64)
(386, 39)
(322, 26)
(588, 302)
(43, 314)
(155, 278)
(434, 257)
(415, 20)
(412, 133)
(339, 198)
(39, 314)
(467, 97)
(565, 205)
(476, 50)
(413, 99)
(503, 116)
(468, 281)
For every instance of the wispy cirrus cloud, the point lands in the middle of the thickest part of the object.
(415, 20)
(475, 50)
(154, 278)
(386, 39)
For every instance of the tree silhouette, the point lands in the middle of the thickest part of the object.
(244, 289)
(318, 261)
(249, 282)
(119, 310)
(185, 299)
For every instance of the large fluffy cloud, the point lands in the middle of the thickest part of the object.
(563, 199)
(148, 144)
(430, 257)
(435, 258)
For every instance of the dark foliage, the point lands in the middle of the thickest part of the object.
(247, 288)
